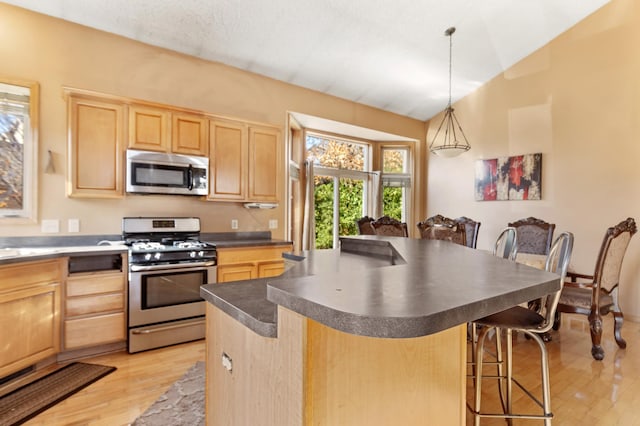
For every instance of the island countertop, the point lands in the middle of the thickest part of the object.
(385, 287)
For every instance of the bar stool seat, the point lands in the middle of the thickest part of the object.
(531, 323)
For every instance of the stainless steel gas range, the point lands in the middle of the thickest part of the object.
(167, 265)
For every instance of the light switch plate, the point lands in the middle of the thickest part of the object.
(234, 224)
(273, 223)
(50, 226)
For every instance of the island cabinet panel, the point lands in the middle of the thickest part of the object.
(266, 380)
(315, 375)
(96, 148)
(29, 313)
(245, 263)
(148, 128)
(189, 134)
(95, 308)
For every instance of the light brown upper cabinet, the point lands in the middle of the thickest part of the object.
(189, 134)
(228, 160)
(264, 164)
(244, 161)
(148, 128)
(164, 130)
(96, 147)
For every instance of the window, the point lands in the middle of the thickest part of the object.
(341, 184)
(396, 181)
(18, 149)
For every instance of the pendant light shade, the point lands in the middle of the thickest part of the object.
(449, 140)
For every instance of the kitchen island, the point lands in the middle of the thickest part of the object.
(373, 333)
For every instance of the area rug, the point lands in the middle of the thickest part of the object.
(32, 399)
(182, 404)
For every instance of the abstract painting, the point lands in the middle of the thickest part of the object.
(509, 178)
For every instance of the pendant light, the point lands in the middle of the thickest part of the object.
(449, 140)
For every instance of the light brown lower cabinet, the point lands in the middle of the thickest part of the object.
(246, 263)
(29, 313)
(95, 309)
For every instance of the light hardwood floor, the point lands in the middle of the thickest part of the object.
(120, 397)
(583, 391)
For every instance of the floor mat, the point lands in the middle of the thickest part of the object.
(31, 399)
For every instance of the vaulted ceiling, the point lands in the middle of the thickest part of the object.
(390, 54)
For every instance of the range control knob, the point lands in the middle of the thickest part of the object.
(192, 254)
(157, 256)
(147, 256)
(201, 253)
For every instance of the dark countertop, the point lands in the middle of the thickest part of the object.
(385, 287)
(10, 255)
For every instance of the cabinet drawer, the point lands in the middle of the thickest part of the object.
(254, 254)
(95, 284)
(94, 331)
(23, 275)
(94, 304)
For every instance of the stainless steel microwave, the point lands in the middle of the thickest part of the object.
(161, 173)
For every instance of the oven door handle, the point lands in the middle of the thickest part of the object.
(167, 267)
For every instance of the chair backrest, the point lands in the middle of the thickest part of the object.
(442, 228)
(534, 235)
(471, 227)
(390, 227)
(364, 226)
(612, 251)
(558, 262)
(506, 245)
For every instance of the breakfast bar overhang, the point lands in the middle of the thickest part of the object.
(373, 333)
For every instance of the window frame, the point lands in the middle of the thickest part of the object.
(29, 211)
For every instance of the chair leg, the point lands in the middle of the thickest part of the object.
(544, 373)
(557, 321)
(509, 360)
(478, 374)
(595, 327)
(618, 319)
(617, 329)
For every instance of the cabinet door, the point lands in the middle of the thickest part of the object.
(148, 128)
(246, 271)
(96, 149)
(228, 160)
(189, 134)
(32, 316)
(264, 164)
(270, 269)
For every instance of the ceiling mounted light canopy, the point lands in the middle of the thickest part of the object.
(449, 140)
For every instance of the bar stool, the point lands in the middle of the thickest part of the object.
(530, 323)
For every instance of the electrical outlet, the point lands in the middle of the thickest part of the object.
(234, 223)
(50, 226)
(73, 225)
(273, 223)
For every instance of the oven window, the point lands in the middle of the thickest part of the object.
(175, 288)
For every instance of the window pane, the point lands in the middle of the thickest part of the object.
(336, 153)
(11, 161)
(394, 160)
(324, 211)
(392, 202)
(351, 201)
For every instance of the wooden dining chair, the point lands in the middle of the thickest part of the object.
(471, 227)
(597, 295)
(364, 226)
(534, 235)
(390, 227)
(443, 228)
